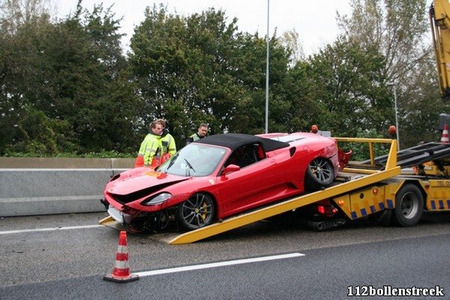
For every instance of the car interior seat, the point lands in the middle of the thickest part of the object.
(248, 156)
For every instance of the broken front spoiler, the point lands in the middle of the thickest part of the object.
(160, 237)
(111, 223)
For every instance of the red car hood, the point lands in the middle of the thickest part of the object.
(132, 182)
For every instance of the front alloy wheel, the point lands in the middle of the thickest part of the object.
(197, 211)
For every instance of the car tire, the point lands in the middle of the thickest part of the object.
(197, 211)
(408, 206)
(319, 174)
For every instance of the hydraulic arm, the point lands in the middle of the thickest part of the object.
(440, 28)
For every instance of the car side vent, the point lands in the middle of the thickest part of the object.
(292, 151)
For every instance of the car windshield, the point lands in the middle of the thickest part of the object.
(194, 160)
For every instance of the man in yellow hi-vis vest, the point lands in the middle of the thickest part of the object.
(168, 143)
(151, 145)
(202, 132)
(158, 146)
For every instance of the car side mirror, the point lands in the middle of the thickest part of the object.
(230, 168)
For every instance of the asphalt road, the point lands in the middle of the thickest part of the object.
(67, 257)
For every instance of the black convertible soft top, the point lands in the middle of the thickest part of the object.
(236, 140)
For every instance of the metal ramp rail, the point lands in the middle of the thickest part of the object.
(417, 155)
(372, 176)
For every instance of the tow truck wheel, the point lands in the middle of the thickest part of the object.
(320, 173)
(197, 211)
(408, 206)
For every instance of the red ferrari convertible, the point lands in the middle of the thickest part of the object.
(221, 176)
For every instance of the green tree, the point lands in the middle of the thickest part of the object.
(339, 89)
(15, 13)
(290, 40)
(18, 22)
(251, 65)
(420, 114)
(185, 69)
(395, 28)
(73, 72)
(398, 30)
(307, 108)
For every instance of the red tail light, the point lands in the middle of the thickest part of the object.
(321, 209)
(327, 210)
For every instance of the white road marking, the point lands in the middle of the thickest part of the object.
(217, 264)
(48, 229)
(170, 270)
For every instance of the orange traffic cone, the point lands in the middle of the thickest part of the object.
(121, 272)
(444, 138)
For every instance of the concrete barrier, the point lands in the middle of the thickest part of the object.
(40, 186)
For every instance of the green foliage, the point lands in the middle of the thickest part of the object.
(398, 30)
(360, 151)
(68, 89)
(65, 87)
(343, 89)
(184, 69)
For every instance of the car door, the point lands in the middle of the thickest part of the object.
(255, 184)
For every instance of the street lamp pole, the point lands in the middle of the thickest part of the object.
(267, 71)
(394, 85)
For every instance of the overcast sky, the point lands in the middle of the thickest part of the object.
(314, 21)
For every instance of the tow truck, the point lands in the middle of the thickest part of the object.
(393, 188)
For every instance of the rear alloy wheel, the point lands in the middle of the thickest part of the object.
(320, 174)
(196, 212)
(408, 206)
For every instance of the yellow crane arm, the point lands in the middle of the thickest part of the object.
(440, 29)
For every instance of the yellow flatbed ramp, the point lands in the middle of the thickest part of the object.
(279, 208)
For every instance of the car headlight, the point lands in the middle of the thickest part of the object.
(158, 199)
